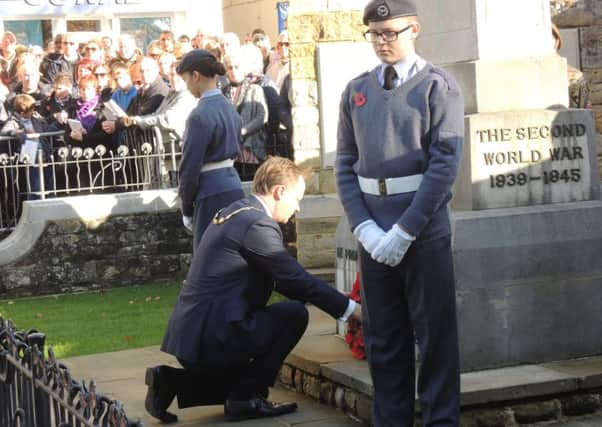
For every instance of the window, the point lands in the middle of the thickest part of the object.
(34, 32)
(145, 30)
(83, 25)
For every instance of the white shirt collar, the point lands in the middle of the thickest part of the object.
(267, 209)
(405, 69)
(211, 92)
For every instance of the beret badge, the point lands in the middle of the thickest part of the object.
(382, 10)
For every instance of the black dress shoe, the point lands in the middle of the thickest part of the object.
(159, 395)
(256, 407)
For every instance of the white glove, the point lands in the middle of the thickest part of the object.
(393, 246)
(369, 234)
(187, 221)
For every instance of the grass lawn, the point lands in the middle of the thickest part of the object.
(88, 323)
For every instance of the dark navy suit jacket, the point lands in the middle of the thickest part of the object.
(234, 271)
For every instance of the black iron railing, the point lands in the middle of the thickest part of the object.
(141, 162)
(39, 392)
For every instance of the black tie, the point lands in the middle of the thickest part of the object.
(390, 75)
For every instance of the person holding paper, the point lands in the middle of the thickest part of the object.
(22, 123)
(89, 115)
(208, 180)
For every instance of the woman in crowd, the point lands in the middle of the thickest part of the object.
(88, 114)
(249, 100)
(170, 118)
(208, 182)
(101, 72)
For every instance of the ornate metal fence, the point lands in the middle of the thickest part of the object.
(141, 162)
(35, 392)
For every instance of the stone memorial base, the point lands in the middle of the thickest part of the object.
(528, 284)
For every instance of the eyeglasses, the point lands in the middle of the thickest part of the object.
(94, 49)
(69, 43)
(285, 44)
(385, 36)
(100, 74)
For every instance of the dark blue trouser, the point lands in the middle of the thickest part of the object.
(415, 300)
(259, 344)
(206, 208)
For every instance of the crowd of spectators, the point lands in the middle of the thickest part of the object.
(76, 80)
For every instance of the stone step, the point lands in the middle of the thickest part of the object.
(322, 366)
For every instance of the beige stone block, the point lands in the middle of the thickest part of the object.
(598, 118)
(304, 92)
(307, 158)
(306, 138)
(319, 226)
(574, 17)
(316, 251)
(595, 93)
(312, 186)
(327, 181)
(593, 76)
(306, 116)
(303, 28)
(591, 47)
(350, 5)
(336, 27)
(491, 86)
(303, 67)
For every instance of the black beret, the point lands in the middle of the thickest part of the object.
(193, 59)
(381, 10)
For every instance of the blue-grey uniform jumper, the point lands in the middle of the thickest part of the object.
(415, 128)
(212, 135)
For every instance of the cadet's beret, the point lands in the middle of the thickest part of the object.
(193, 59)
(381, 10)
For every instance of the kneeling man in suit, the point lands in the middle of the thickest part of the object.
(230, 343)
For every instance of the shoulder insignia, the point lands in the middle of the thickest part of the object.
(219, 220)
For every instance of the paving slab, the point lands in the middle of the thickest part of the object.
(121, 376)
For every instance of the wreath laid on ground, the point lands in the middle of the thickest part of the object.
(354, 336)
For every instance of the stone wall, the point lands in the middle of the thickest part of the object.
(311, 23)
(586, 16)
(83, 243)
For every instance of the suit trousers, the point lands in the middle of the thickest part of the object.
(414, 301)
(206, 208)
(259, 344)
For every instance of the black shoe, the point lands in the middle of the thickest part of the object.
(257, 407)
(159, 395)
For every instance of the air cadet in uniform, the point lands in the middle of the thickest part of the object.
(229, 342)
(208, 180)
(400, 140)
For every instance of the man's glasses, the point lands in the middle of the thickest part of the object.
(92, 48)
(285, 44)
(100, 74)
(69, 43)
(385, 36)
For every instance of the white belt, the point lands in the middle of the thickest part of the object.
(388, 186)
(228, 163)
